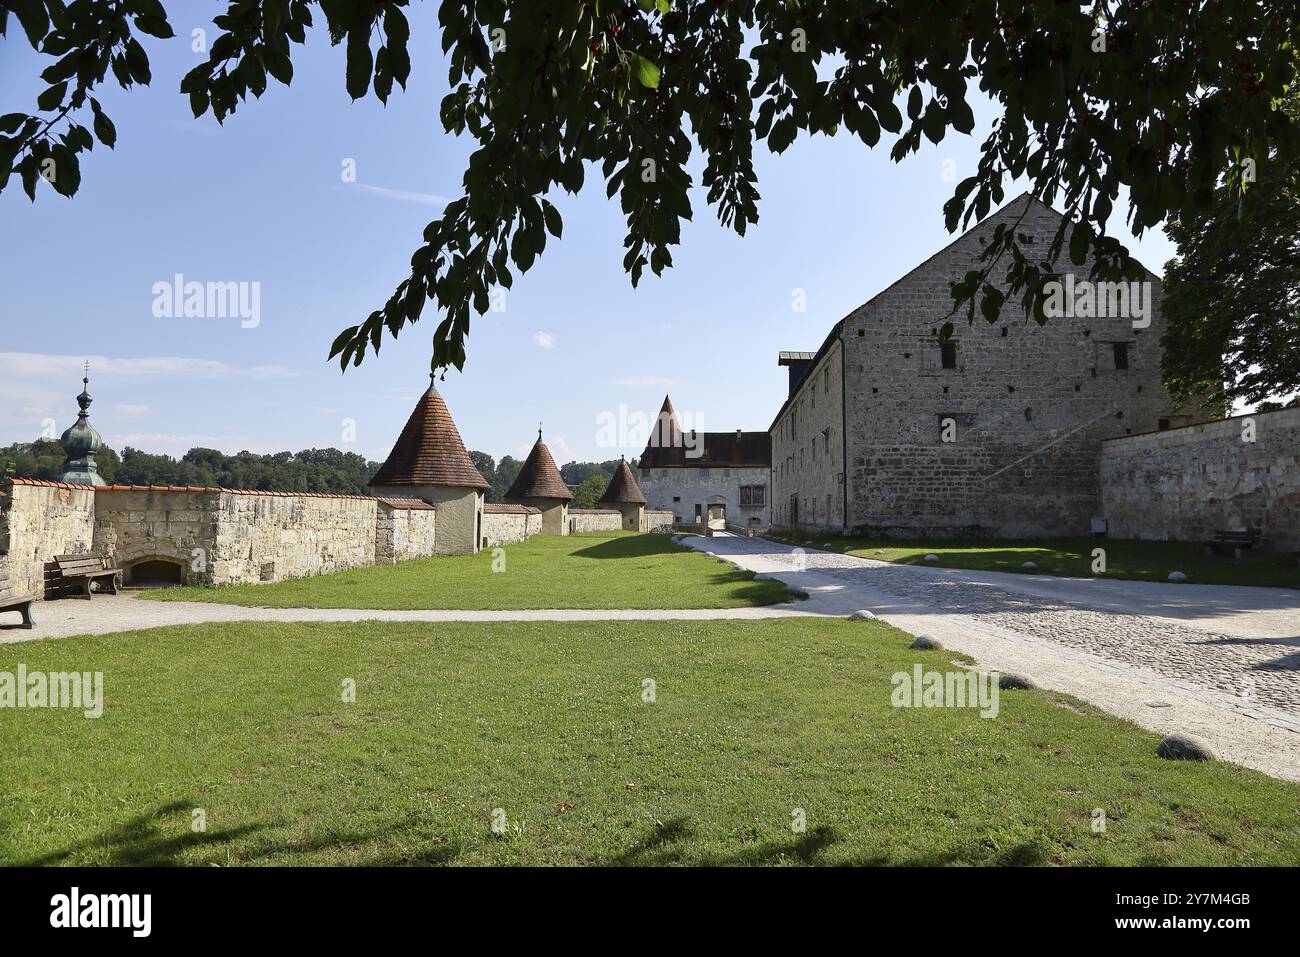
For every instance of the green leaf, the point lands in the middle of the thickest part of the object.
(105, 130)
(137, 62)
(10, 122)
(51, 98)
(36, 23)
(155, 27)
(646, 72)
(360, 63)
(554, 224)
(1079, 244)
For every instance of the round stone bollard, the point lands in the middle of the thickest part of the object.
(1010, 681)
(1184, 747)
(925, 643)
(1177, 577)
(723, 561)
(1030, 565)
(931, 558)
(862, 614)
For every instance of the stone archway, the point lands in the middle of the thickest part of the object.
(154, 572)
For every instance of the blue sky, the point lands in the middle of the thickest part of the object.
(263, 200)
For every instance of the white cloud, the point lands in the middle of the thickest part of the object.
(406, 196)
(641, 381)
(126, 408)
(48, 366)
(544, 340)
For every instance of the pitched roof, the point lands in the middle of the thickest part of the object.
(667, 431)
(622, 488)
(501, 508)
(538, 477)
(702, 450)
(429, 451)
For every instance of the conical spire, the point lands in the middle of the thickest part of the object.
(622, 488)
(429, 451)
(538, 477)
(81, 442)
(667, 431)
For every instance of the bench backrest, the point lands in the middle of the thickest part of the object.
(70, 566)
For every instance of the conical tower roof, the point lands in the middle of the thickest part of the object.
(429, 451)
(667, 431)
(622, 488)
(539, 478)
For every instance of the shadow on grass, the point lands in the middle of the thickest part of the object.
(630, 546)
(139, 842)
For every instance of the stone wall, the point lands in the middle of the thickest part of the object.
(39, 520)
(808, 448)
(1186, 484)
(404, 531)
(460, 513)
(147, 524)
(680, 490)
(509, 524)
(654, 518)
(594, 520)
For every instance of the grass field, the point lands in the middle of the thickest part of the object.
(594, 570)
(546, 722)
(1142, 561)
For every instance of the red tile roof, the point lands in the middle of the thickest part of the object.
(429, 451)
(395, 501)
(539, 478)
(622, 488)
(594, 511)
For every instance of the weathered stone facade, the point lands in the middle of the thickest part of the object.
(211, 536)
(509, 524)
(594, 520)
(997, 434)
(460, 513)
(686, 492)
(1186, 484)
(39, 521)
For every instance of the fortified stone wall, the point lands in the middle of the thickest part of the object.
(146, 524)
(1186, 484)
(39, 520)
(654, 518)
(1030, 405)
(680, 490)
(808, 448)
(404, 531)
(509, 524)
(594, 520)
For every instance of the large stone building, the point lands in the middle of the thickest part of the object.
(713, 478)
(889, 429)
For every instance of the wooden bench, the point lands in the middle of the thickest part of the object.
(1234, 538)
(81, 571)
(19, 603)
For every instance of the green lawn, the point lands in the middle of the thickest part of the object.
(546, 722)
(595, 570)
(1143, 561)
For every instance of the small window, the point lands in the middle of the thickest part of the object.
(677, 498)
(1121, 355)
(948, 354)
(1162, 424)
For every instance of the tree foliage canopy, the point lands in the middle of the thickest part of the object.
(1167, 100)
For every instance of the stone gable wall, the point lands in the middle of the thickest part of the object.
(1031, 404)
(1186, 484)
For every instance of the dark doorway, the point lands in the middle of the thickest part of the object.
(154, 573)
(794, 511)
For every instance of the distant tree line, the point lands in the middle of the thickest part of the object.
(311, 470)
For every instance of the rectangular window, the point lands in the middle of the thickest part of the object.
(677, 498)
(948, 354)
(1121, 355)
